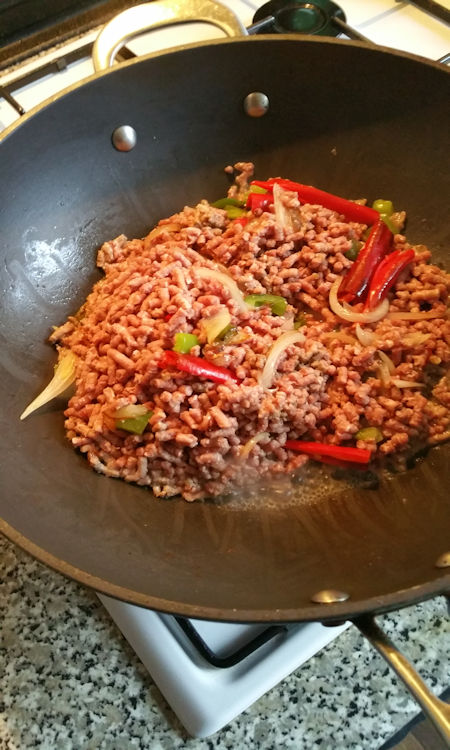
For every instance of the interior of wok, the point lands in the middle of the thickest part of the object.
(342, 117)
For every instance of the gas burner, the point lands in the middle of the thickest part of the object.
(318, 18)
(287, 17)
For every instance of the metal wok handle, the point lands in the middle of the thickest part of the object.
(156, 15)
(437, 711)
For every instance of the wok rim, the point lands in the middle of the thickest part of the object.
(332, 613)
(254, 39)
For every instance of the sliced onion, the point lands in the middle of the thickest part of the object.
(130, 411)
(214, 326)
(284, 216)
(386, 360)
(406, 383)
(162, 228)
(416, 338)
(366, 338)
(429, 315)
(386, 368)
(250, 444)
(282, 343)
(384, 374)
(346, 313)
(64, 376)
(226, 281)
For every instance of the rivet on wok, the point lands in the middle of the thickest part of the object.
(124, 138)
(329, 596)
(256, 104)
(443, 560)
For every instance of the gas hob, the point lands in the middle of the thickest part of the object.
(211, 672)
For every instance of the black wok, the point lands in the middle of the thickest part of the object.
(349, 118)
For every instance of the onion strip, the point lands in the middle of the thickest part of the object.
(215, 325)
(386, 360)
(64, 376)
(346, 313)
(288, 218)
(161, 228)
(406, 383)
(366, 338)
(282, 343)
(250, 444)
(225, 280)
(428, 315)
(386, 368)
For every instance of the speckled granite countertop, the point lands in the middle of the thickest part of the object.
(70, 680)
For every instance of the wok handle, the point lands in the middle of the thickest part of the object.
(436, 710)
(156, 15)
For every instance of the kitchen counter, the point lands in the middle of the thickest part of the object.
(70, 680)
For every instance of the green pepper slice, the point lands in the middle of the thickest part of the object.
(277, 304)
(136, 425)
(383, 207)
(224, 202)
(183, 342)
(235, 212)
(389, 223)
(353, 252)
(300, 322)
(370, 433)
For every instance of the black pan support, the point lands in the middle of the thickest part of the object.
(129, 23)
(320, 17)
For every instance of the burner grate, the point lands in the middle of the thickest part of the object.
(50, 68)
(234, 657)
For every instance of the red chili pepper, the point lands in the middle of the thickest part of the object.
(243, 220)
(308, 194)
(358, 278)
(259, 200)
(342, 453)
(386, 274)
(196, 366)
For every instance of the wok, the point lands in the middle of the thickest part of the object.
(348, 117)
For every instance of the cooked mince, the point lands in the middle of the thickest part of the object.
(201, 437)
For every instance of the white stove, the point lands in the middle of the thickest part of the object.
(211, 672)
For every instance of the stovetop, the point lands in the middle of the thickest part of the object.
(209, 672)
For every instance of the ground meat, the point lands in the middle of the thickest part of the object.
(203, 437)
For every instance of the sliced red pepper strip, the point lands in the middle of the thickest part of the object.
(342, 453)
(259, 200)
(309, 194)
(339, 462)
(243, 220)
(358, 279)
(196, 366)
(386, 274)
